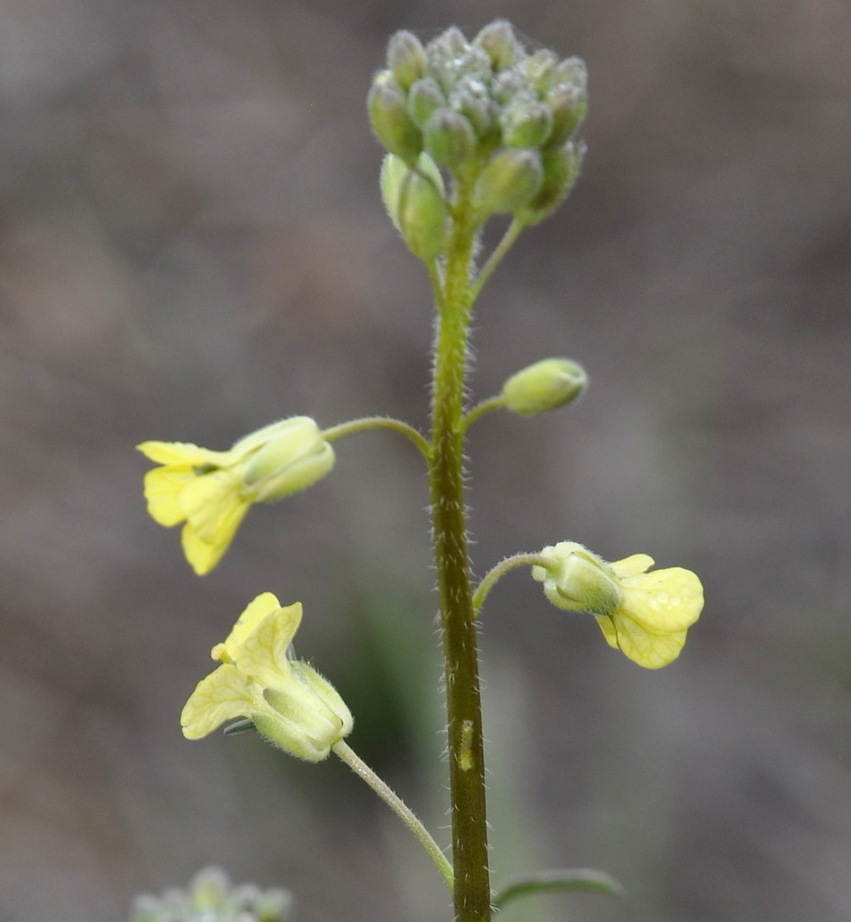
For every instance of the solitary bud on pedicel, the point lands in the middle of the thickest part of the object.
(544, 386)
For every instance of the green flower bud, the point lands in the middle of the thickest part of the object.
(500, 42)
(421, 215)
(449, 138)
(544, 386)
(406, 58)
(506, 85)
(526, 124)
(393, 173)
(568, 105)
(539, 69)
(508, 181)
(571, 72)
(388, 115)
(424, 98)
(449, 44)
(560, 171)
(451, 58)
(471, 99)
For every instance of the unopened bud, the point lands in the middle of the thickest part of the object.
(540, 69)
(527, 124)
(544, 386)
(567, 105)
(406, 58)
(424, 98)
(506, 86)
(499, 41)
(450, 43)
(421, 215)
(571, 71)
(388, 115)
(471, 99)
(393, 173)
(509, 180)
(560, 172)
(449, 138)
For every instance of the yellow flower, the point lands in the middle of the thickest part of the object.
(211, 491)
(286, 699)
(644, 614)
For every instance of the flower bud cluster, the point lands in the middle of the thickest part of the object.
(487, 111)
(211, 897)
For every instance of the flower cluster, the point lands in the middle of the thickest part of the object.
(211, 491)
(644, 614)
(486, 111)
(285, 699)
(211, 897)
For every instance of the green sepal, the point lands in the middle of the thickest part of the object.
(583, 879)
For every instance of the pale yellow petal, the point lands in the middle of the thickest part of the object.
(222, 695)
(182, 453)
(632, 565)
(246, 624)
(663, 600)
(262, 654)
(163, 486)
(652, 651)
(214, 509)
(608, 628)
(204, 555)
(211, 500)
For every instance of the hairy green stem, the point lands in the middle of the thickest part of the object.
(495, 573)
(368, 423)
(478, 411)
(472, 893)
(511, 234)
(397, 805)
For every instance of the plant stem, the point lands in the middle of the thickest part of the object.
(478, 411)
(490, 578)
(472, 894)
(367, 423)
(397, 805)
(511, 234)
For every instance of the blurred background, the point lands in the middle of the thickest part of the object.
(192, 245)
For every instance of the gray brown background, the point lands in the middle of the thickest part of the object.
(192, 245)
